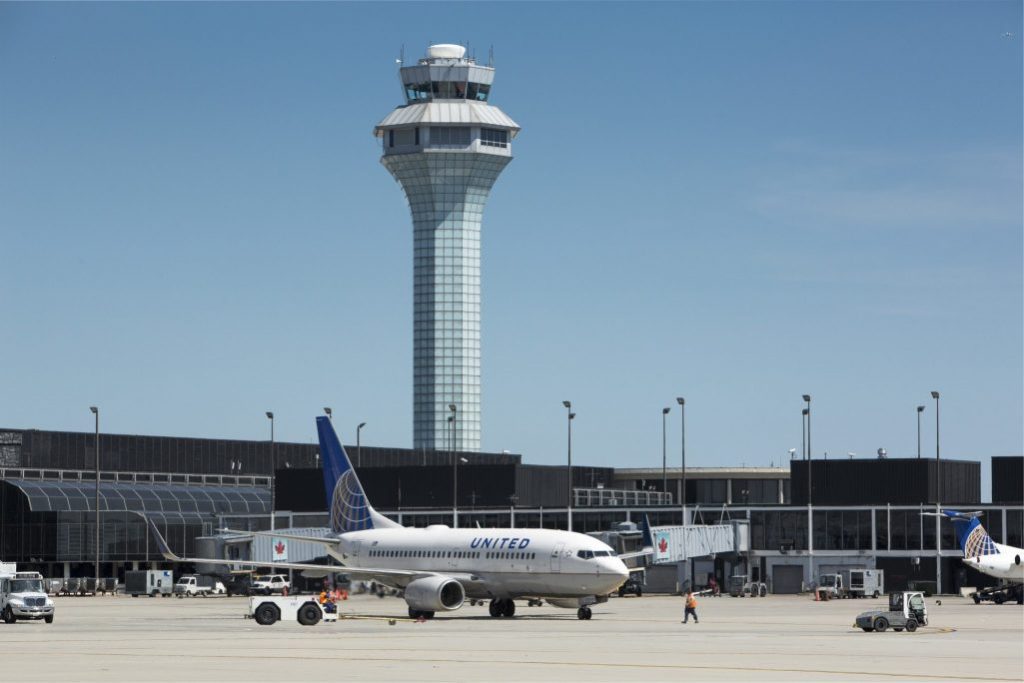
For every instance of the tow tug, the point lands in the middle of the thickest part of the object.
(906, 611)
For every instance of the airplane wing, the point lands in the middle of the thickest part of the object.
(325, 540)
(398, 577)
(636, 553)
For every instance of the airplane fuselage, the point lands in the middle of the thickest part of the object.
(491, 563)
(1007, 563)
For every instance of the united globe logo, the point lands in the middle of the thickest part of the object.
(348, 505)
(979, 543)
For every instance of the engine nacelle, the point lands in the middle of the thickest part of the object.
(435, 593)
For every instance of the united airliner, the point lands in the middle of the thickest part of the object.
(438, 567)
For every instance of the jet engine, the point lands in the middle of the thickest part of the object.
(433, 593)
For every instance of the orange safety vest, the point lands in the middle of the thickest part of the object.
(691, 602)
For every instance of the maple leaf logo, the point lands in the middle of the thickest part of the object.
(279, 548)
(662, 545)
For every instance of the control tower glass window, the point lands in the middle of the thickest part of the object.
(492, 137)
(446, 90)
(478, 91)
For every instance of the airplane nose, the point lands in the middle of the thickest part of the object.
(620, 569)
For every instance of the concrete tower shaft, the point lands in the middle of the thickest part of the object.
(446, 146)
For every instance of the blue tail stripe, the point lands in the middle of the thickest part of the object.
(345, 497)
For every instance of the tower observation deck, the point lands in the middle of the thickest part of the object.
(446, 146)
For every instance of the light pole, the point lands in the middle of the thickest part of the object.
(455, 466)
(664, 457)
(329, 413)
(682, 470)
(568, 471)
(96, 412)
(807, 412)
(938, 464)
(810, 510)
(273, 468)
(359, 444)
(920, 409)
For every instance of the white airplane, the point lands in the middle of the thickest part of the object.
(981, 552)
(438, 567)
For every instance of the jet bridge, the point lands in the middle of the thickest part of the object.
(678, 543)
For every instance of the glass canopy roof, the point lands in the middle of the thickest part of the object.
(67, 496)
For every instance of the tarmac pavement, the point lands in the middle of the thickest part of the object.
(778, 638)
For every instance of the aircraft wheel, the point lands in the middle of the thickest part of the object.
(509, 609)
(495, 608)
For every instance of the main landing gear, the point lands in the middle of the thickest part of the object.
(420, 614)
(584, 613)
(502, 608)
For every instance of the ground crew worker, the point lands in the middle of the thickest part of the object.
(691, 608)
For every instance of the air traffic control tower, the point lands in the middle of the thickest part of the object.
(446, 146)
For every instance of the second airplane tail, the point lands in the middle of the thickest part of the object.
(350, 509)
(973, 538)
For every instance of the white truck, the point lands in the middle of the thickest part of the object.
(852, 583)
(305, 609)
(271, 583)
(23, 596)
(197, 584)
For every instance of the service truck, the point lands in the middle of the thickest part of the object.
(151, 582)
(198, 584)
(852, 583)
(23, 596)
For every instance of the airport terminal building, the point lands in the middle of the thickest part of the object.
(863, 512)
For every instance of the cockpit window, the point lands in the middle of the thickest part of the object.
(601, 553)
(585, 554)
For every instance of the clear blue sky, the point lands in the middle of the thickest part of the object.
(736, 203)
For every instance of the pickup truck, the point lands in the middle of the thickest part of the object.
(197, 584)
(270, 583)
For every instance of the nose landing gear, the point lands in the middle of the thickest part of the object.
(584, 613)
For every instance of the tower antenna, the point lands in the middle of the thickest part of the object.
(490, 56)
(401, 55)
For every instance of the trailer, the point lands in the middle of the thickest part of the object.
(1000, 594)
(270, 609)
(151, 582)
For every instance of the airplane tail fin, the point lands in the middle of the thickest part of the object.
(350, 510)
(973, 538)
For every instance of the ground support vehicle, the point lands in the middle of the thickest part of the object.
(270, 609)
(1000, 594)
(152, 582)
(906, 611)
(740, 586)
(197, 584)
(851, 583)
(634, 584)
(23, 596)
(271, 583)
